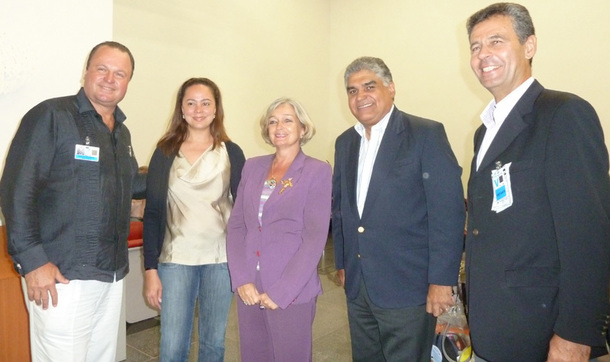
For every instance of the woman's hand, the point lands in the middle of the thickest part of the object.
(267, 302)
(249, 294)
(153, 289)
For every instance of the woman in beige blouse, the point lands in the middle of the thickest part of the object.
(192, 181)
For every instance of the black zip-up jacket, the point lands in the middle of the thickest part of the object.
(61, 208)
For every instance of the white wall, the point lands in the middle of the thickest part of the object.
(43, 48)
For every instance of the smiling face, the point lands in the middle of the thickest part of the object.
(285, 129)
(107, 77)
(497, 57)
(198, 107)
(369, 99)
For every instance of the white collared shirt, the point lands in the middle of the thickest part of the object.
(367, 156)
(494, 114)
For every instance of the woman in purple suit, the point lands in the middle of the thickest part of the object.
(275, 238)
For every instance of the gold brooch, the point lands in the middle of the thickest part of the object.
(286, 184)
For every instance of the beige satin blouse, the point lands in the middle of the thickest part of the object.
(198, 207)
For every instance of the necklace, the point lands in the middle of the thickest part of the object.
(271, 183)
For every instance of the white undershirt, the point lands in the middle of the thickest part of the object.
(367, 156)
(494, 114)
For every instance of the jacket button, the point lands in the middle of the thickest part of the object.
(475, 232)
(360, 229)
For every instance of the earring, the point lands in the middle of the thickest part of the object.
(183, 116)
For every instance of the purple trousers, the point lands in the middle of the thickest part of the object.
(281, 335)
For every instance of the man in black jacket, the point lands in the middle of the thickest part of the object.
(66, 192)
(538, 242)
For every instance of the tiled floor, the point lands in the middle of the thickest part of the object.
(331, 341)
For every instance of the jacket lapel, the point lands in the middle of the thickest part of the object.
(478, 139)
(351, 174)
(257, 179)
(512, 126)
(294, 173)
(384, 161)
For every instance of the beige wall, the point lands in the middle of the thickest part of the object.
(426, 47)
(257, 51)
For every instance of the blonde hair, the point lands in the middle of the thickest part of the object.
(299, 111)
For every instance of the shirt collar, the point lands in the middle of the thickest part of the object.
(380, 126)
(495, 113)
(84, 106)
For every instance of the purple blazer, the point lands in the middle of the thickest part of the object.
(293, 234)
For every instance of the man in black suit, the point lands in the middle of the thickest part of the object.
(398, 220)
(538, 241)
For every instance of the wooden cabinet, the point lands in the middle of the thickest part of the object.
(14, 331)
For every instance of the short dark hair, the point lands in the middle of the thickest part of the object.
(115, 45)
(520, 17)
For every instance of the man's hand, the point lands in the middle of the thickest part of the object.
(40, 283)
(562, 350)
(341, 277)
(440, 299)
(153, 290)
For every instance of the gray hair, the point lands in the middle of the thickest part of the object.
(375, 65)
(520, 17)
(299, 111)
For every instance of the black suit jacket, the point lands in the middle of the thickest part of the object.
(412, 228)
(541, 266)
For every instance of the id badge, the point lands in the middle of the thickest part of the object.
(502, 192)
(87, 153)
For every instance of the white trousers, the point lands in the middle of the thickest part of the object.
(84, 325)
